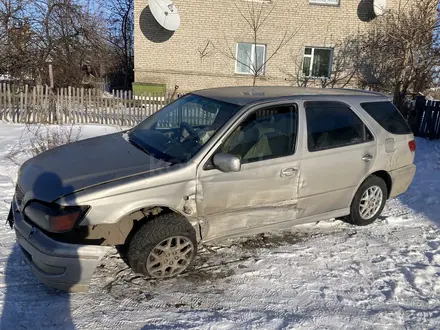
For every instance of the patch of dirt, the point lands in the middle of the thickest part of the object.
(213, 262)
(274, 240)
(268, 240)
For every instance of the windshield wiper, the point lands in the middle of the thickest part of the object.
(137, 145)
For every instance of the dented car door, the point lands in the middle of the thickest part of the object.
(263, 194)
(339, 152)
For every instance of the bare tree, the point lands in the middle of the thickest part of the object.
(401, 50)
(256, 15)
(15, 35)
(296, 76)
(120, 20)
(343, 69)
(204, 50)
(68, 31)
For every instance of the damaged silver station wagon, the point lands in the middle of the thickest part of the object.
(214, 164)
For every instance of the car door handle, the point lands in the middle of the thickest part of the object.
(288, 172)
(367, 158)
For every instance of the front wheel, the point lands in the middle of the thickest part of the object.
(163, 247)
(369, 202)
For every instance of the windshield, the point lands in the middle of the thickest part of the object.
(178, 131)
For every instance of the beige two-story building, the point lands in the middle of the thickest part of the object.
(215, 44)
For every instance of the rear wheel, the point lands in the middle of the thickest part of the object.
(163, 247)
(369, 202)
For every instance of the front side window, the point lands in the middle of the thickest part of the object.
(387, 115)
(333, 125)
(178, 131)
(317, 62)
(250, 58)
(265, 134)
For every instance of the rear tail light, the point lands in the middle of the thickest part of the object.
(412, 145)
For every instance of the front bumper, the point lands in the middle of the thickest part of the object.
(67, 267)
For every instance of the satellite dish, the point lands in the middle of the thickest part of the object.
(379, 6)
(165, 13)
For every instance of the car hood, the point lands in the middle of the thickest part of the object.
(64, 170)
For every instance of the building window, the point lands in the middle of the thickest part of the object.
(250, 58)
(317, 62)
(325, 2)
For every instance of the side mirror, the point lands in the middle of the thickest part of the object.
(227, 163)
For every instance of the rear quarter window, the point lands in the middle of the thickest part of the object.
(387, 115)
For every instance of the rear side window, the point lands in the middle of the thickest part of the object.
(387, 115)
(333, 125)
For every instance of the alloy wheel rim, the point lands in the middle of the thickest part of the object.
(170, 257)
(370, 203)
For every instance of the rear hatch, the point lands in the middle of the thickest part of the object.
(400, 141)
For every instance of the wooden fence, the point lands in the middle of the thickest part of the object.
(76, 105)
(426, 119)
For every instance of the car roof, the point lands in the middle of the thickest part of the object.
(246, 94)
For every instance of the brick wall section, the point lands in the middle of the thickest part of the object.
(174, 59)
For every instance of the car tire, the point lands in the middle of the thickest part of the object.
(163, 247)
(369, 202)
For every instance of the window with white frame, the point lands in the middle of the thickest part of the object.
(325, 2)
(250, 58)
(317, 62)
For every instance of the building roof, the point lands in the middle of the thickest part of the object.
(245, 95)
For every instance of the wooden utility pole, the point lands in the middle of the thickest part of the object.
(51, 75)
(50, 61)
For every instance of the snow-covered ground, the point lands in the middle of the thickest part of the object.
(328, 275)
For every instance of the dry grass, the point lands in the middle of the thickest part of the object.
(36, 139)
